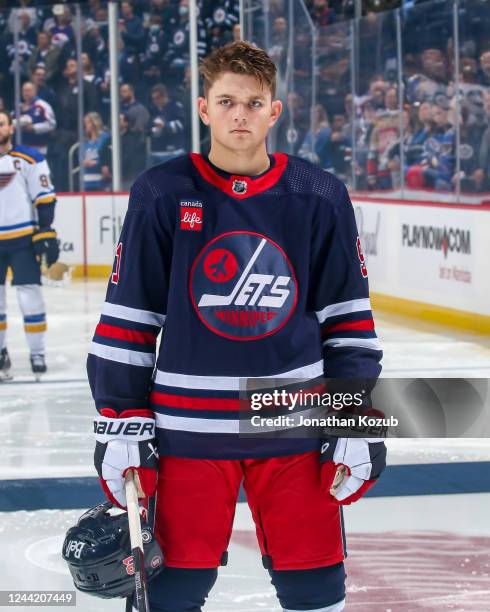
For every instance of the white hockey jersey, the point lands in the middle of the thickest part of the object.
(27, 196)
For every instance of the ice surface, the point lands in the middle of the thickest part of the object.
(406, 554)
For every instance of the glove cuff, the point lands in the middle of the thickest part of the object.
(131, 429)
(43, 234)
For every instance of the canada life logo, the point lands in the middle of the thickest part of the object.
(242, 286)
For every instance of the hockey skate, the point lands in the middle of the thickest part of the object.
(5, 365)
(38, 365)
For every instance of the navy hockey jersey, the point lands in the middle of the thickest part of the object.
(245, 277)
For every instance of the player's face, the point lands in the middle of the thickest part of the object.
(6, 130)
(239, 111)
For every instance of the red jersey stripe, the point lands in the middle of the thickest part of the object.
(212, 403)
(362, 325)
(112, 331)
(195, 403)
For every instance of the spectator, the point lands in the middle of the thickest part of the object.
(43, 91)
(471, 175)
(60, 27)
(87, 68)
(93, 7)
(94, 43)
(219, 22)
(421, 131)
(131, 29)
(26, 18)
(136, 113)
(340, 145)
(133, 39)
(177, 56)
(94, 154)
(393, 153)
(103, 86)
(437, 165)
(321, 13)
(485, 68)
(165, 10)
(133, 153)
(278, 49)
(167, 126)
(483, 175)
(156, 47)
(46, 54)
(67, 90)
(294, 125)
(67, 131)
(385, 133)
(377, 92)
(316, 145)
(24, 8)
(333, 83)
(25, 45)
(364, 122)
(431, 83)
(37, 119)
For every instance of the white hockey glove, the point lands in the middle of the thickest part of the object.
(351, 466)
(124, 443)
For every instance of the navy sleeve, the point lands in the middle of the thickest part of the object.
(339, 294)
(123, 351)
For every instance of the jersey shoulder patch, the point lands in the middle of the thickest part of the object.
(305, 177)
(166, 178)
(29, 154)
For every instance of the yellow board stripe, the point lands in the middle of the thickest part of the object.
(34, 328)
(49, 199)
(29, 159)
(3, 325)
(448, 317)
(16, 234)
(93, 271)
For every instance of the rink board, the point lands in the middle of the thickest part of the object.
(425, 259)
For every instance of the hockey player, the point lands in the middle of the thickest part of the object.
(27, 202)
(251, 265)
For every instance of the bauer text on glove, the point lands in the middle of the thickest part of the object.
(124, 443)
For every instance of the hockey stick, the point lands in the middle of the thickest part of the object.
(140, 601)
(340, 476)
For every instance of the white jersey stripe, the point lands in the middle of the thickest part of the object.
(226, 426)
(133, 314)
(231, 426)
(370, 343)
(231, 383)
(112, 353)
(334, 310)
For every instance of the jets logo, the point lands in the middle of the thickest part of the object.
(239, 187)
(243, 286)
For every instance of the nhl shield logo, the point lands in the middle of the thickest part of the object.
(239, 187)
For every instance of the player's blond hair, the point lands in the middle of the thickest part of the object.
(239, 57)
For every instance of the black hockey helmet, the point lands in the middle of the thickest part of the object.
(98, 552)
